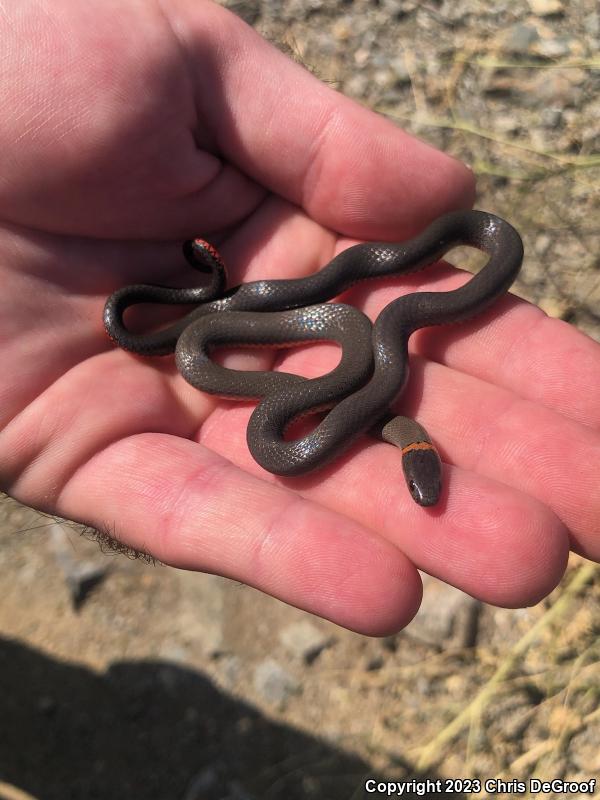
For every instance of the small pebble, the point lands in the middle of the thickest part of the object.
(274, 683)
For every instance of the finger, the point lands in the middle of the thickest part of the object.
(487, 538)
(351, 169)
(193, 509)
(496, 433)
(541, 359)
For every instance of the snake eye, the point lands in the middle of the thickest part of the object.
(417, 495)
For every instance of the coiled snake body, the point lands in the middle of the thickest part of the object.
(374, 365)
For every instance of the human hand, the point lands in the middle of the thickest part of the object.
(128, 132)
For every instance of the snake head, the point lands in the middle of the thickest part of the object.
(423, 472)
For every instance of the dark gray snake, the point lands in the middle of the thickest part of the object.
(374, 366)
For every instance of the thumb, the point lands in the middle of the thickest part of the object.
(348, 167)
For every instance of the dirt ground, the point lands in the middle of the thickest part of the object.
(126, 679)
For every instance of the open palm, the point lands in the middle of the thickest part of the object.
(126, 130)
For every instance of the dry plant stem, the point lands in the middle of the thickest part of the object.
(490, 62)
(464, 126)
(432, 753)
(540, 749)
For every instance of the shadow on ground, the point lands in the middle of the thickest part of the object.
(153, 730)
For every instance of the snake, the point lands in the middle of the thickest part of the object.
(358, 394)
